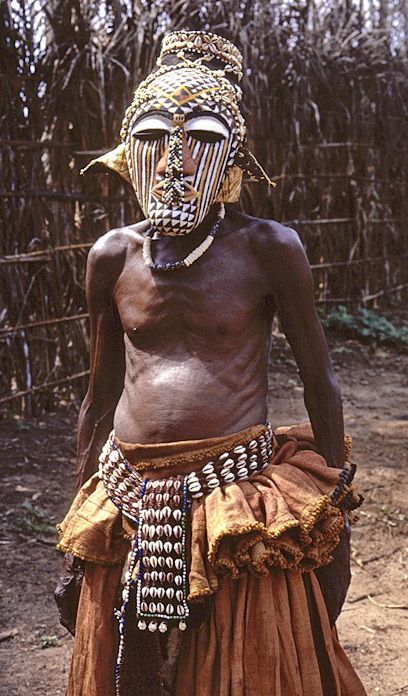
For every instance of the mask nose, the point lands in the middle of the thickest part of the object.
(188, 164)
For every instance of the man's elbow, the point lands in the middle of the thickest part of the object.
(320, 393)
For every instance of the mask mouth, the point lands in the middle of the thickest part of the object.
(189, 194)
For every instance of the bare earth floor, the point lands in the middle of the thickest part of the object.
(36, 484)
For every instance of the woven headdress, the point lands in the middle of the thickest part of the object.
(218, 66)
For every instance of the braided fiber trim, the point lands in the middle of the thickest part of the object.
(66, 548)
(277, 551)
(196, 457)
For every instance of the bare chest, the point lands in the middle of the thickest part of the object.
(220, 297)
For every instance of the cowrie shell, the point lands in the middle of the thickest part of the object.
(213, 483)
(225, 470)
(228, 463)
(208, 469)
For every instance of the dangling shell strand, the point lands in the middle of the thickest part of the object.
(191, 258)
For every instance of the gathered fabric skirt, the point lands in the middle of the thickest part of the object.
(259, 623)
(263, 636)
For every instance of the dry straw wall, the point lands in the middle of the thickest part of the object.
(325, 99)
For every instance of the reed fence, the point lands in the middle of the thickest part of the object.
(326, 105)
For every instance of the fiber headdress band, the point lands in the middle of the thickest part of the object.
(205, 45)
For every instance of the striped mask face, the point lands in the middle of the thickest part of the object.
(179, 146)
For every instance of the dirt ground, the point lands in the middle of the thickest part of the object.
(36, 485)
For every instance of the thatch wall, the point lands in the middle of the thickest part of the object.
(326, 99)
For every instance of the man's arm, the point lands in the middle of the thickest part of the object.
(106, 347)
(292, 287)
(107, 368)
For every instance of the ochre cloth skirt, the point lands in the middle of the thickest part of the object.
(254, 545)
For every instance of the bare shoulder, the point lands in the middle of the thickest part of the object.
(270, 236)
(108, 255)
(117, 241)
(272, 242)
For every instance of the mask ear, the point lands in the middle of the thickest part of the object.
(251, 167)
(115, 160)
(231, 186)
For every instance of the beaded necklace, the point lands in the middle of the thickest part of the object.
(191, 257)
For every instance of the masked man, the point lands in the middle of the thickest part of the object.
(195, 532)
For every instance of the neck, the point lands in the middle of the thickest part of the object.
(207, 223)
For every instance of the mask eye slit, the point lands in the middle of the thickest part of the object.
(206, 136)
(150, 134)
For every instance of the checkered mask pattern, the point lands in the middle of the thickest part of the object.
(176, 203)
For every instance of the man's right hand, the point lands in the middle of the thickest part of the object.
(68, 589)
